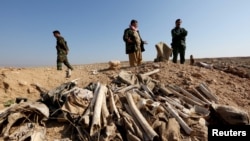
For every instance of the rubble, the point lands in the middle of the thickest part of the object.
(133, 107)
(231, 67)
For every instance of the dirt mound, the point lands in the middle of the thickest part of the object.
(231, 87)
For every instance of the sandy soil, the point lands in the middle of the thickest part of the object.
(230, 88)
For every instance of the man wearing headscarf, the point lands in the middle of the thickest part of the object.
(134, 44)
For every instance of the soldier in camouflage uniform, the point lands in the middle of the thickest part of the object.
(178, 41)
(62, 51)
(134, 44)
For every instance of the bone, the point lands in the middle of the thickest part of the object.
(186, 99)
(143, 94)
(191, 96)
(198, 94)
(182, 114)
(85, 119)
(172, 102)
(182, 111)
(165, 90)
(151, 72)
(96, 119)
(130, 87)
(163, 52)
(92, 103)
(173, 130)
(12, 118)
(136, 122)
(201, 110)
(146, 75)
(206, 91)
(105, 111)
(112, 105)
(183, 124)
(143, 122)
(145, 87)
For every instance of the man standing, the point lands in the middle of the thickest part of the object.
(62, 52)
(178, 41)
(134, 44)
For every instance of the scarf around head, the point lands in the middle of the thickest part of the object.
(133, 28)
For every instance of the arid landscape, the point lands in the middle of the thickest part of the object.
(228, 79)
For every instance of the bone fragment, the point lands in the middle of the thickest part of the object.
(182, 111)
(151, 72)
(145, 87)
(85, 119)
(143, 94)
(188, 94)
(105, 111)
(172, 102)
(130, 87)
(205, 85)
(166, 90)
(12, 118)
(198, 94)
(201, 110)
(185, 127)
(173, 130)
(138, 129)
(206, 91)
(112, 105)
(92, 103)
(143, 122)
(186, 99)
(96, 119)
(182, 114)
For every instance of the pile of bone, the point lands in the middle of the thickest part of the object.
(133, 107)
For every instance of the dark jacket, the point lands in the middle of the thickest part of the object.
(178, 37)
(131, 47)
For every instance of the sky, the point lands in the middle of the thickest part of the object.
(93, 29)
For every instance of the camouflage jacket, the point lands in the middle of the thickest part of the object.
(61, 46)
(131, 46)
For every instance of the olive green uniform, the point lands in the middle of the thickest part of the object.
(179, 44)
(62, 52)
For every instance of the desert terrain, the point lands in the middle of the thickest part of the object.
(228, 79)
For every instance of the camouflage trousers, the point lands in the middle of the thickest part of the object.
(63, 59)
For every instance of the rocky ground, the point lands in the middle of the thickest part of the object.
(229, 80)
